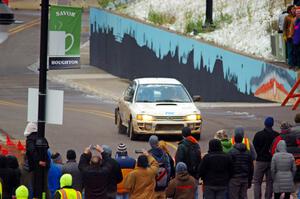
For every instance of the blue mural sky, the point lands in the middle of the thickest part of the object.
(162, 42)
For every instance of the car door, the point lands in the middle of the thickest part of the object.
(126, 102)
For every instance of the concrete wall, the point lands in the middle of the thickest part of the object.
(132, 49)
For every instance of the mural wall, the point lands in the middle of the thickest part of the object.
(131, 49)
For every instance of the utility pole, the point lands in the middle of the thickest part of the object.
(40, 172)
(209, 13)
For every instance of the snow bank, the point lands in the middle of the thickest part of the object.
(247, 33)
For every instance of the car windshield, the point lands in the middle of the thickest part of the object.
(162, 93)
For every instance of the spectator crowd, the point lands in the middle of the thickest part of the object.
(289, 26)
(228, 169)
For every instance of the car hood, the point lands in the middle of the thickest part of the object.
(165, 109)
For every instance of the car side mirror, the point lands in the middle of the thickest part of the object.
(197, 98)
(128, 98)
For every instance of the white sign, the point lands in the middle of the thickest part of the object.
(54, 106)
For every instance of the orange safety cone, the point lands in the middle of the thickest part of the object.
(20, 146)
(8, 141)
(4, 152)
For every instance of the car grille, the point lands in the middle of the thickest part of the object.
(174, 118)
(169, 127)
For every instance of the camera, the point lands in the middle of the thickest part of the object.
(138, 151)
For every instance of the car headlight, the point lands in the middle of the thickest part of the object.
(193, 117)
(145, 118)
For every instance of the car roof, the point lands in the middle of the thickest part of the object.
(157, 81)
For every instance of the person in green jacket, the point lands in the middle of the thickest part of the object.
(223, 137)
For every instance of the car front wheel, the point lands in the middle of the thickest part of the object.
(130, 131)
(121, 128)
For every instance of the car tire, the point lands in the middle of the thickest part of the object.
(197, 136)
(130, 132)
(121, 128)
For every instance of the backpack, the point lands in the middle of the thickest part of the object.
(193, 155)
(161, 178)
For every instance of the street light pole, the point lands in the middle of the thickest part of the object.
(40, 174)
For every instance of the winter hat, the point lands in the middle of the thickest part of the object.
(142, 161)
(186, 131)
(30, 128)
(220, 135)
(122, 148)
(297, 118)
(22, 192)
(269, 122)
(56, 157)
(181, 167)
(238, 138)
(285, 126)
(71, 155)
(153, 141)
(239, 130)
(107, 150)
(215, 145)
(66, 180)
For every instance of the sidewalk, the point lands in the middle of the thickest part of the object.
(94, 81)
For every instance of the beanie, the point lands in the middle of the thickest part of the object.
(71, 155)
(30, 128)
(285, 126)
(186, 131)
(142, 161)
(180, 167)
(240, 131)
(269, 122)
(153, 141)
(56, 157)
(122, 148)
(107, 150)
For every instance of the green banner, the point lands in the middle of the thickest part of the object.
(64, 36)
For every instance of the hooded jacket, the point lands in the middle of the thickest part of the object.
(262, 142)
(22, 192)
(66, 189)
(183, 154)
(215, 168)
(94, 178)
(141, 181)
(182, 186)
(283, 169)
(242, 162)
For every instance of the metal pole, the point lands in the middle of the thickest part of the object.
(209, 13)
(40, 178)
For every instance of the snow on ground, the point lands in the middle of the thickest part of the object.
(246, 33)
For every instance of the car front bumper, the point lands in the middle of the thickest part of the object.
(166, 127)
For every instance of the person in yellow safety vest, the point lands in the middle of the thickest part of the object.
(246, 141)
(0, 189)
(22, 192)
(66, 191)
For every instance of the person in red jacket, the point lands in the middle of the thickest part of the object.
(284, 130)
